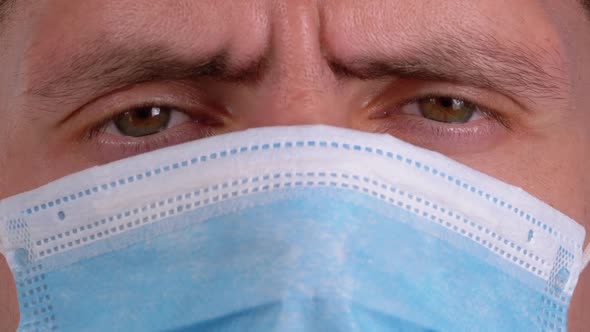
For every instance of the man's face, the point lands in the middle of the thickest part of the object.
(501, 86)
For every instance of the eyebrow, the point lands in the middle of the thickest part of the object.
(476, 60)
(115, 66)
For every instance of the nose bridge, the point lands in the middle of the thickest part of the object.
(299, 86)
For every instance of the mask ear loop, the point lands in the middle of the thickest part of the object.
(586, 258)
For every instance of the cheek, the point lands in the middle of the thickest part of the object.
(550, 168)
(9, 314)
(33, 156)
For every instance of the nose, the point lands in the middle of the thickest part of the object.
(299, 86)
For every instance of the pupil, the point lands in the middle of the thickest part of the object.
(147, 113)
(446, 102)
(144, 114)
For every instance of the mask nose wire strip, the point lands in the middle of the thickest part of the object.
(586, 258)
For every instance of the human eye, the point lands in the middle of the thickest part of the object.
(145, 128)
(151, 120)
(149, 127)
(443, 117)
(145, 119)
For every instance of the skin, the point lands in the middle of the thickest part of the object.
(309, 60)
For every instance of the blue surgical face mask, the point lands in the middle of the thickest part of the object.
(289, 229)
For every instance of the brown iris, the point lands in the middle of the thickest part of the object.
(447, 110)
(143, 121)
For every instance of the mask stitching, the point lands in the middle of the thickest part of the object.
(554, 301)
(502, 247)
(300, 144)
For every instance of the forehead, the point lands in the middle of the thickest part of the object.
(344, 24)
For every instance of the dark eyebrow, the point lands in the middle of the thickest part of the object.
(479, 61)
(114, 66)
